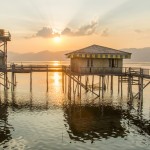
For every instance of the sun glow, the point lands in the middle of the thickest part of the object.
(57, 39)
(56, 63)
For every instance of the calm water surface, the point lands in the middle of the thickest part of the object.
(41, 120)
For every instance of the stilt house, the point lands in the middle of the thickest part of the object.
(4, 37)
(97, 59)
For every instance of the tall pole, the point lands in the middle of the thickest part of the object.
(47, 78)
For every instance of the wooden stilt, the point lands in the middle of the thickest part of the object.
(65, 83)
(73, 91)
(80, 89)
(12, 81)
(111, 86)
(86, 83)
(92, 83)
(118, 84)
(15, 78)
(47, 79)
(121, 87)
(31, 81)
(130, 89)
(70, 88)
(103, 86)
(141, 84)
(78, 85)
(141, 89)
(99, 85)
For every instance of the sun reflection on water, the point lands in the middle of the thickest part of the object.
(56, 78)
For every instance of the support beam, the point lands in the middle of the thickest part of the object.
(99, 86)
(31, 81)
(47, 79)
(103, 86)
(111, 84)
(118, 84)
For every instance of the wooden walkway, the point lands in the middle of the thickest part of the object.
(129, 75)
(126, 71)
(34, 68)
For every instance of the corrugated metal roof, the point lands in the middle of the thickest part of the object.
(96, 49)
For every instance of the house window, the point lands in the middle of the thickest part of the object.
(113, 63)
(89, 62)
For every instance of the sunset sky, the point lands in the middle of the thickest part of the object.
(34, 24)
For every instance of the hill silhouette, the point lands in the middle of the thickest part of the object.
(138, 55)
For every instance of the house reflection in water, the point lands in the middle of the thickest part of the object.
(93, 122)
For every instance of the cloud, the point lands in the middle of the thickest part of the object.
(88, 29)
(45, 32)
(84, 30)
(105, 32)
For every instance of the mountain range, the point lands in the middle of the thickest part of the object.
(138, 55)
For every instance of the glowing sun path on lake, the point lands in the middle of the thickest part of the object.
(56, 78)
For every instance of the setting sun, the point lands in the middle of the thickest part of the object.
(57, 39)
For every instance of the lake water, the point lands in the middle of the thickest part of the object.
(41, 120)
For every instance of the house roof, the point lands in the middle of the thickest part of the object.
(98, 51)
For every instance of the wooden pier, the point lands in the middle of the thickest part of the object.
(72, 83)
(89, 62)
(129, 75)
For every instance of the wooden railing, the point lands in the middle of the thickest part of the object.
(83, 70)
(5, 35)
(33, 68)
(115, 71)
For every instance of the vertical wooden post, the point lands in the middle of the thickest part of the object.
(5, 69)
(69, 88)
(107, 82)
(47, 79)
(118, 84)
(121, 86)
(111, 86)
(15, 79)
(78, 85)
(12, 81)
(12, 77)
(86, 83)
(80, 89)
(65, 83)
(92, 83)
(141, 85)
(99, 85)
(130, 85)
(73, 91)
(103, 86)
(31, 80)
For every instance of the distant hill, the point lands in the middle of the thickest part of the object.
(138, 55)
(39, 56)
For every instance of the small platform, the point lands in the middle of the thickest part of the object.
(5, 35)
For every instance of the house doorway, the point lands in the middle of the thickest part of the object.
(113, 63)
(90, 64)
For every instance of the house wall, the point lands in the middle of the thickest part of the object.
(79, 65)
